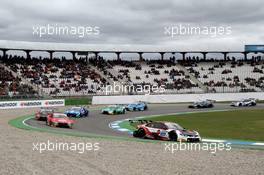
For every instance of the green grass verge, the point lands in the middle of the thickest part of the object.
(237, 124)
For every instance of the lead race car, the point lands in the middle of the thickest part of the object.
(245, 102)
(59, 119)
(202, 104)
(114, 109)
(77, 112)
(166, 131)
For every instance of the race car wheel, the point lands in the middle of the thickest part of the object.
(173, 136)
(140, 133)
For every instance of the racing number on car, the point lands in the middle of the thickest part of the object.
(163, 133)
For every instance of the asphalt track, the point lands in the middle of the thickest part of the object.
(98, 123)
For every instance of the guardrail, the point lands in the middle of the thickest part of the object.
(176, 98)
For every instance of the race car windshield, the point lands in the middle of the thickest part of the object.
(75, 109)
(174, 126)
(59, 116)
(46, 110)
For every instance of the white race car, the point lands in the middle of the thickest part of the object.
(245, 102)
(160, 130)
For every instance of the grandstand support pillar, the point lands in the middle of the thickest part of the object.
(118, 55)
(140, 56)
(73, 55)
(4, 53)
(162, 55)
(96, 54)
(245, 55)
(183, 55)
(204, 55)
(28, 54)
(87, 58)
(51, 54)
(225, 55)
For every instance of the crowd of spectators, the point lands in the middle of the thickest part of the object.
(63, 75)
(57, 75)
(12, 86)
(248, 79)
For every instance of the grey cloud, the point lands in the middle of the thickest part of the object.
(136, 22)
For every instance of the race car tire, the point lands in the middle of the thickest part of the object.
(139, 133)
(173, 136)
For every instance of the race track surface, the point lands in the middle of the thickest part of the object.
(115, 157)
(97, 123)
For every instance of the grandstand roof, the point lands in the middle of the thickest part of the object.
(64, 47)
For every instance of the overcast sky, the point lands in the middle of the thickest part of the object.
(137, 21)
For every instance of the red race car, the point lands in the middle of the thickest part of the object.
(59, 119)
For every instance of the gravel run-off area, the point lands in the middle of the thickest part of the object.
(18, 156)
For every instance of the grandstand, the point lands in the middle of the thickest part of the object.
(89, 75)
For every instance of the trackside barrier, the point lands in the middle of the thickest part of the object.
(31, 104)
(176, 98)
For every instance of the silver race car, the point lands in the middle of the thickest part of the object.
(202, 104)
(245, 102)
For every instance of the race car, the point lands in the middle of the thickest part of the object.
(114, 109)
(43, 113)
(77, 112)
(202, 104)
(139, 106)
(59, 119)
(168, 131)
(245, 102)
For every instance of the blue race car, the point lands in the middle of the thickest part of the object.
(77, 112)
(138, 106)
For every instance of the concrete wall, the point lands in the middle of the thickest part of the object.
(176, 98)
